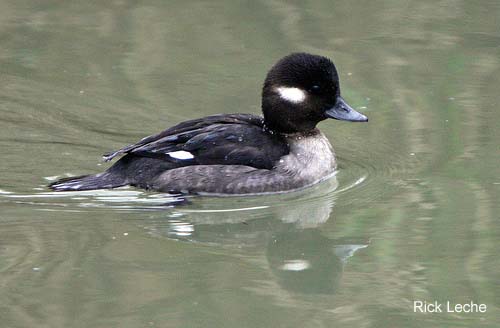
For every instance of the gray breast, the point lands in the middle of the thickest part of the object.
(311, 159)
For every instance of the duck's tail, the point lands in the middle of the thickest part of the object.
(104, 180)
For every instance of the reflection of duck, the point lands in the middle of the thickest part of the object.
(307, 208)
(234, 154)
(300, 257)
(306, 261)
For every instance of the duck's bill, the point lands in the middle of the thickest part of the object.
(342, 111)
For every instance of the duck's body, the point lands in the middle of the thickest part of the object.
(309, 160)
(234, 154)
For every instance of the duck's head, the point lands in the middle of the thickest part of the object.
(301, 90)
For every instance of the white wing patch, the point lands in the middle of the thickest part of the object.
(181, 154)
(294, 95)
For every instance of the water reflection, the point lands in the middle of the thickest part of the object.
(305, 261)
(300, 257)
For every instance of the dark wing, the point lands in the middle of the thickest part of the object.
(238, 139)
(187, 126)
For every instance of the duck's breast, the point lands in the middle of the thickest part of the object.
(311, 158)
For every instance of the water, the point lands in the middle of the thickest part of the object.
(412, 214)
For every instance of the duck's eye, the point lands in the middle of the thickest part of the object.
(315, 88)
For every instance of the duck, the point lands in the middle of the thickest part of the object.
(280, 151)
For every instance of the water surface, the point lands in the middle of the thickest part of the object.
(411, 215)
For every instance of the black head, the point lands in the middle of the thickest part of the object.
(301, 90)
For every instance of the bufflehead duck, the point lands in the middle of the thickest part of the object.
(234, 154)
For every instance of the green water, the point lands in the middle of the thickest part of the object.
(413, 213)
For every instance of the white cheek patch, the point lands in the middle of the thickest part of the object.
(296, 265)
(294, 95)
(181, 154)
